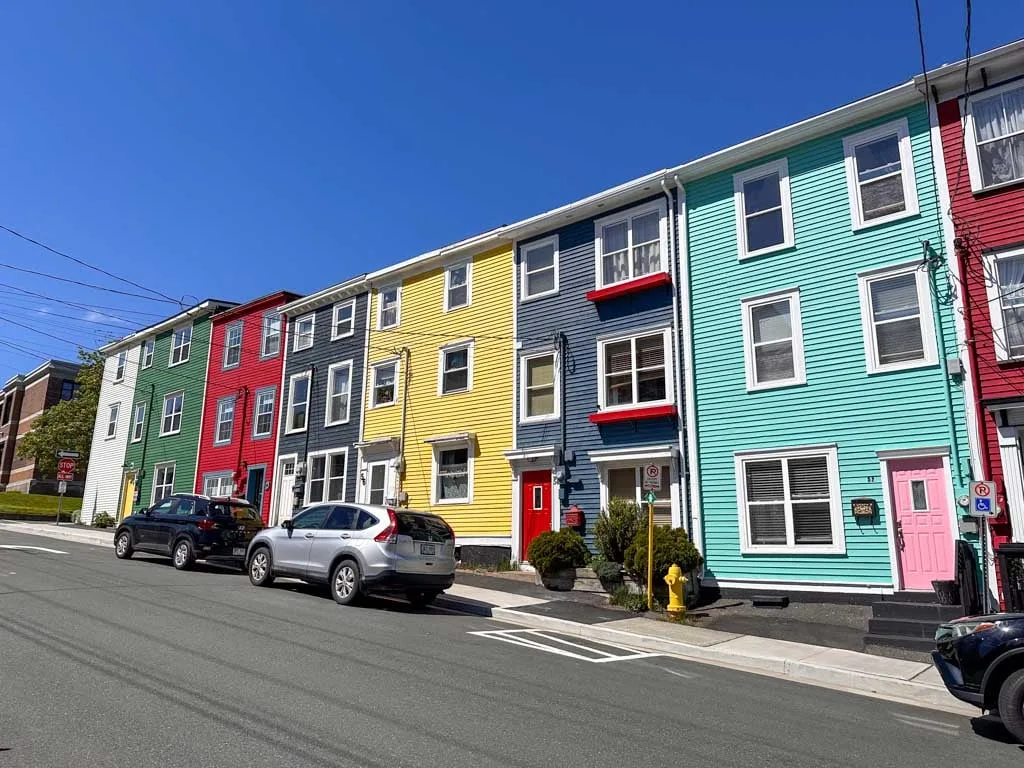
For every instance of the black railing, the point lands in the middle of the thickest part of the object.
(1011, 571)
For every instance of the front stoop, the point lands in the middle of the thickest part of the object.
(908, 620)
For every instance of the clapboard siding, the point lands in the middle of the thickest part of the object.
(840, 403)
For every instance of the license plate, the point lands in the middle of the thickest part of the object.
(238, 551)
(428, 549)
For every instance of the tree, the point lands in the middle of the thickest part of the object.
(67, 425)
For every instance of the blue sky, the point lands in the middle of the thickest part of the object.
(231, 149)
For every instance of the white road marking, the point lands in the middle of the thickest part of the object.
(936, 726)
(533, 638)
(685, 675)
(27, 548)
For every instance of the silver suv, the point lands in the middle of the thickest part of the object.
(357, 549)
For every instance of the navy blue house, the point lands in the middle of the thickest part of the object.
(598, 381)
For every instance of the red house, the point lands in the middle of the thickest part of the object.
(980, 119)
(239, 428)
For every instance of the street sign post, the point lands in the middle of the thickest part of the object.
(65, 472)
(652, 477)
(983, 505)
(651, 483)
(62, 487)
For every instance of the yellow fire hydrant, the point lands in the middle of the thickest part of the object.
(675, 581)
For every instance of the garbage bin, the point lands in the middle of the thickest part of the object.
(947, 592)
(1011, 571)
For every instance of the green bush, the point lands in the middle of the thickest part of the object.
(631, 601)
(671, 545)
(616, 529)
(607, 573)
(554, 551)
(102, 520)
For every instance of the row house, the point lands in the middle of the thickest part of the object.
(239, 418)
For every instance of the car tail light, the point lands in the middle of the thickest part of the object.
(390, 534)
(451, 533)
(206, 525)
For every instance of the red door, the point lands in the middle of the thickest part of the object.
(924, 529)
(536, 506)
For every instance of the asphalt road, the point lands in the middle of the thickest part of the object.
(131, 663)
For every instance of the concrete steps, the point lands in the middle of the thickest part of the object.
(908, 620)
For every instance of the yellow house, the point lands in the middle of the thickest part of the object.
(439, 392)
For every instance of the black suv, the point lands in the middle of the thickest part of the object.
(981, 660)
(189, 527)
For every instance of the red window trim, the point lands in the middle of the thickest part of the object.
(637, 285)
(633, 414)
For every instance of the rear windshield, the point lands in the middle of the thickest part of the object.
(237, 511)
(422, 527)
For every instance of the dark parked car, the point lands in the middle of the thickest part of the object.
(189, 527)
(981, 660)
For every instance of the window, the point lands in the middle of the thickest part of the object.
(366, 520)
(995, 153)
(173, 403)
(270, 340)
(789, 501)
(69, 389)
(327, 476)
(630, 245)
(138, 422)
(452, 474)
(378, 478)
(181, 344)
(225, 421)
(339, 393)
(122, 363)
(633, 371)
(112, 414)
(312, 518)
(304, 332)
(880, 175)
(456, 369)
(764, 216)
(341, 519)
(1004, 281)
(389, 304)
(773, 341)
(457, 286)
(627, 483)
(538, 399)
(218, 485)
(919, 495)
(147, 352)
(233, 346)
(385, 390)
(539, 268)
(263, 413)
(897, 319)
(343, 320)
(298, 403)
(163, 482)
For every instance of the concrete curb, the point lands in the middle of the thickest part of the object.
(903, 691)
(97, 538)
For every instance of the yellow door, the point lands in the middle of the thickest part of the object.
(129, 495)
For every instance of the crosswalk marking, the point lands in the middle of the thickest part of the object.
(551, 642)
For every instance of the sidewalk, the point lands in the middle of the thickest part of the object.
(103, 537)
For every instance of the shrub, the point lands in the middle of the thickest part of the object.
(554, 551)
(102, 520)
(631, 601)
(616, 529)
(671, 545)
(607, 573)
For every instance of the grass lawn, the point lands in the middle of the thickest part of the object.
(36, 504)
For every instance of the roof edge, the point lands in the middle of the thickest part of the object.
(133, 338)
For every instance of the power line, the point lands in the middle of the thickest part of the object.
(963, 116)
(86, 285)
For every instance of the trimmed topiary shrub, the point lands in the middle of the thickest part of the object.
(671, 545)
(615, 530)
(554, 551)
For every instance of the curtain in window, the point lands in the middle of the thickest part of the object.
(879, 173)
(1011, 299)
(996, 121)
(540, 386)
(897, 318)
(615, 253)
(618, 366)
(453, 474)
(650, 363)
(646, 244)
(809, 491)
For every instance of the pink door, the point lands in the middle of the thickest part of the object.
(924, 531)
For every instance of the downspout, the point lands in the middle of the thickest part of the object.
(972, 363)
(244, 392)
(309, 410)
(404, 358)
(561, 344)
(670, 202)
(954, 442)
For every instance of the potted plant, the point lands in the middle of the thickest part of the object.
(556, 555)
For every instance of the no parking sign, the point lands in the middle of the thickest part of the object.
(983, 499)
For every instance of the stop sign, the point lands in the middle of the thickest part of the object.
(66, 465)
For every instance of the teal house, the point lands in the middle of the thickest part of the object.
(826, 439)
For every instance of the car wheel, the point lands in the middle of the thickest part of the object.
(184, 556)
(1011, 704)
(421, 598)
(345, 582)
(260, 572)
(123, 545)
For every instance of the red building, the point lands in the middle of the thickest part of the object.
(980, 119)
(243, 389)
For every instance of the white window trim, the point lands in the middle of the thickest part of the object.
(227, 332)
(151, 354)
(217, 421)
(272, 391)
(120, 367)
(334, 319)
(264, 326)
(636, 464)
(850, 143)
(136, 421)
(831, 453)
(330, 378)
(799, 371)
(470, 466)
(327, 454)
(219, 477)
(469, 285)
(557, 415)
(452, 347)
(291, 402)
(970, 136)
(780, 166)
(523, 250)
(657, 206)
(163, 412)
(174, 477)
(397, 287)
(924, 301)
(296, 337)
(602, 394)
(373, 381)
(185, 359)
(116, 409)
(995, 303)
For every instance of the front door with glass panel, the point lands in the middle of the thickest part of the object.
(375, 483)
(285, 491)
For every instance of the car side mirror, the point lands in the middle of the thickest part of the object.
(143, 511)
(287, 524)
